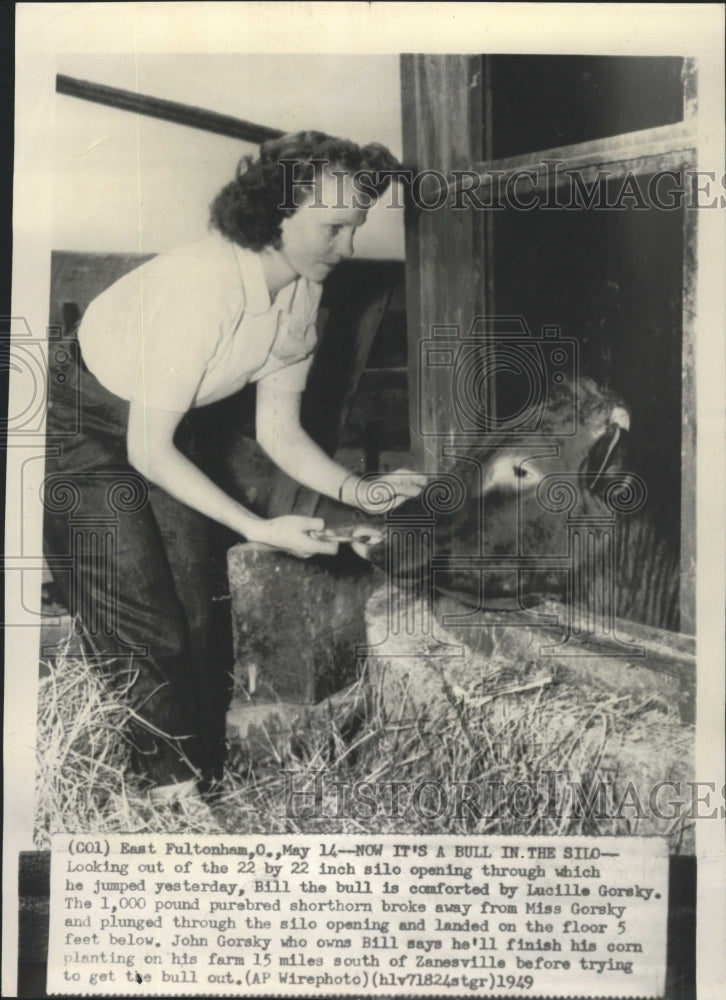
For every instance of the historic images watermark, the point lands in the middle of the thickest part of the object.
(541, 363)
(553, 796)
(546, 185)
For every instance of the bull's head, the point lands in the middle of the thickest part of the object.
(498, 522)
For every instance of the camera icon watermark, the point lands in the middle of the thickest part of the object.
(500, 377)
(37, 368)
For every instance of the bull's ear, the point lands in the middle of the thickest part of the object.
(606, 455)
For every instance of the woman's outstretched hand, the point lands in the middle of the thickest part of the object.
(291, 533)
(379, 494)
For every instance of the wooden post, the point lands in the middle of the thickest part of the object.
(443, 129)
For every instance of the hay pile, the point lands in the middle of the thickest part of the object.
(84, 782)
(519, 752)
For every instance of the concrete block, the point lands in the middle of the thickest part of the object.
(418, 665)
(425, 649)
(296, 623)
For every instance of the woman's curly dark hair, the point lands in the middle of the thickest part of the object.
(250, 209)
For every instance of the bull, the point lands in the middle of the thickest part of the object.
(542, 510)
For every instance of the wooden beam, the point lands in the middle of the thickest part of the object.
(637, 153)
(169, 111)
(443, 126)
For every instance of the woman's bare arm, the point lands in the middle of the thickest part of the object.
(151, 450)
(279, 432)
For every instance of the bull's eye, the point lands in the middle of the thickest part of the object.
(527, 475)
(510, 472)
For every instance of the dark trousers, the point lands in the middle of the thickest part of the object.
(133, 564)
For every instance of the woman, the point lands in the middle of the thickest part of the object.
(124, 496)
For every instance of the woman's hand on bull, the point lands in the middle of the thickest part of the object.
(379, 494)
(292, 533)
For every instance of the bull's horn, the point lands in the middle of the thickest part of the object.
(621, 417)
(614, 438)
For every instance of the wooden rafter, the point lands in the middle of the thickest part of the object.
(170, 111)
